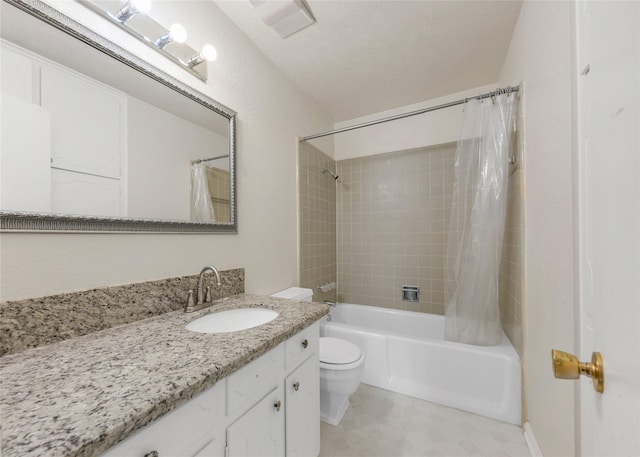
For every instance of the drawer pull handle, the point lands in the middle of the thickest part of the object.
(305, 343)
(296, 386)
(277, 405)
(152, 454)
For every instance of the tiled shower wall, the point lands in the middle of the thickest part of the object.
(393, 214)
(511, 270)
(317, 195)
(511, 282)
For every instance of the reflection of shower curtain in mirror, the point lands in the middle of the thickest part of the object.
(219, 191)
(201, 207)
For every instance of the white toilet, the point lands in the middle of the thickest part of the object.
(341, 366)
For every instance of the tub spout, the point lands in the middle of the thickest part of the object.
(330, 303)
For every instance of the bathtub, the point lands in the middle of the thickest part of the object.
(405, 352)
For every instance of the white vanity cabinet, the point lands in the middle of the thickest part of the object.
(187, 431)
(269, 407)
(286, 421)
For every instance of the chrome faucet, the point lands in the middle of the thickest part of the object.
(332, 304)
(200, 295)
(203, 298)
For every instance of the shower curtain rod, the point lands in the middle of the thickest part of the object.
(506, 90)
(194, 162)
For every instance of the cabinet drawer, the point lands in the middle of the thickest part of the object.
(184, 432)
(251, 382)
(302, 345)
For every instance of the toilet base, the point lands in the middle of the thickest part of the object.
(332, 408)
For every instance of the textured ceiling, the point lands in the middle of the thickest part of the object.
(362, 57)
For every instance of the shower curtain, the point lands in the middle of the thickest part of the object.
(476, 224)
(201, 205)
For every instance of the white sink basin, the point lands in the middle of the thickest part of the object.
(232, 320)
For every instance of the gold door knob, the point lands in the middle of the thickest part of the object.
(567, 366)
(305, 343)
(277, 405)
(296, 386)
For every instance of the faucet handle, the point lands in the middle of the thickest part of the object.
(190, 302)
(207, 295)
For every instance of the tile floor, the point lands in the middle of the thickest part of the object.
(387, 424)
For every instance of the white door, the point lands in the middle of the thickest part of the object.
(608, 165)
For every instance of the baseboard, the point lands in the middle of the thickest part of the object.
(531, 441)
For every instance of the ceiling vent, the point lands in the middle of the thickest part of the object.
(286, 17)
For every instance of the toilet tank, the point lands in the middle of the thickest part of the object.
(295, 293)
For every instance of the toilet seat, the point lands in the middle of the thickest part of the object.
(339, 354)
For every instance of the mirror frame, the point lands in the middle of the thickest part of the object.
(21, 221)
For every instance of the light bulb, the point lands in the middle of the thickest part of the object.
(209, 53)
(131, 8)
(177, 33)
(142, 6)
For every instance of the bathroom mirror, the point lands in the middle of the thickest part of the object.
(96, 139)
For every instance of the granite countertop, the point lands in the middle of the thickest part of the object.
(80, 396)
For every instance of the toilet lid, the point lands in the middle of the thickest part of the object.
(338, 352)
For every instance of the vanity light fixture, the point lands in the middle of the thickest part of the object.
(131, 8)
(154, 35)
(176, 34)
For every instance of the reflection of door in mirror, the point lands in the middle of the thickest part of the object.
(64, 139)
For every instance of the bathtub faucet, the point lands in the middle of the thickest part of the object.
(330, 303)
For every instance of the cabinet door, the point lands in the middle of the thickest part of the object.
(260, 431)
(302, 395)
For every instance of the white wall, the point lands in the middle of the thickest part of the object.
(540, 56)
(428, 129)
(161, 147)
(271, 112)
